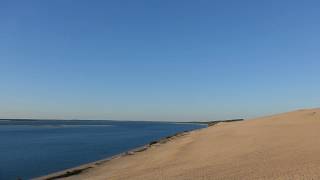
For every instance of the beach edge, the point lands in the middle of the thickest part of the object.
(87, 166)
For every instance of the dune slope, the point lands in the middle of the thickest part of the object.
(284, 146)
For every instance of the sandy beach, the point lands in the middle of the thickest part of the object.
(283, 146)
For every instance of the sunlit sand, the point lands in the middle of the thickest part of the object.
(284, 146)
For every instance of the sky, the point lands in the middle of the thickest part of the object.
(160, 60)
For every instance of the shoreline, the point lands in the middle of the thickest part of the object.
(84, 167)
(81, 168)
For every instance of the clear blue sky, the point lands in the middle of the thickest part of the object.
(158, 59)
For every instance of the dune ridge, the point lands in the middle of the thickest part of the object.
(283, 146)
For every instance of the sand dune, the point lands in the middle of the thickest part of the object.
(284, 146)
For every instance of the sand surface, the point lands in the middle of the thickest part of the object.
(284, 146)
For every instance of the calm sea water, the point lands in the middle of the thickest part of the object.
(33, 148)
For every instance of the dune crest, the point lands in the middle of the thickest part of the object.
(284, 146)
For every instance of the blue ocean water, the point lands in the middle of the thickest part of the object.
(32, 148)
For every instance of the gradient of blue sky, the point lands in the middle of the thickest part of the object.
(158, 60)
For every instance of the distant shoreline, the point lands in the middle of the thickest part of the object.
(179, 122)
